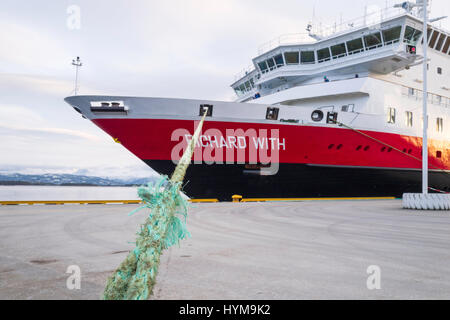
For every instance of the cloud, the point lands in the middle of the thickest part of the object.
(27, 47)
(45, 85)
(51, 132)
(18, 121)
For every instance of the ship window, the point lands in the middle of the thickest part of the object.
(252, 83)
(440, 125)
(373, 41)
(291, 57)
(392, 35)
(323, 55)
(439, 70)
(446, 45)
(355, 46)
(409, 119)
(409, 33)
(412, 35)
(338, 51)
(238, 91)
(263, 66)
(415, 37)
(307, 57)
(271, 64)
(272, 113)
(391, 115)
(440, 42)
(429, 30)
(279, 60)
(247, 86)
(433, 39)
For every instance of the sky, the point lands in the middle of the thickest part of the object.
(170, 48)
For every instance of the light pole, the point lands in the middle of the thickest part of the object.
(77, 63)
(425, 101)
(425, 200)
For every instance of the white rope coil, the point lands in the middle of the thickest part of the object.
(430, 201)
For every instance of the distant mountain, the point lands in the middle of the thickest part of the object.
(68, 180)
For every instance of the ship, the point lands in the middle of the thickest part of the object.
(335, 113)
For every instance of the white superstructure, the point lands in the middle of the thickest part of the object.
(370, 66)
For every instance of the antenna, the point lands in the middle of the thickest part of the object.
(77, 63)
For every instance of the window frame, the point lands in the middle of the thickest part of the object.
(391, 115)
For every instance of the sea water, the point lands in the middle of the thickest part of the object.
(42, 193)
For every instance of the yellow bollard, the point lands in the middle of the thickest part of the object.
(236, 198)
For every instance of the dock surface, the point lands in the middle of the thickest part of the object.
(279, 250)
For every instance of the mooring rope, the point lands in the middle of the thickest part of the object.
(447, 173)
(165, 226)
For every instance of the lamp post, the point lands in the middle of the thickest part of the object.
(425, 200)
(425, 101)
(77, 63)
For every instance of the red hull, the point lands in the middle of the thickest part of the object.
(151, 139)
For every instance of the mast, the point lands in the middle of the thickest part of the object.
(77, 63)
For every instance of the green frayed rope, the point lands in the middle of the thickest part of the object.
(165, 226)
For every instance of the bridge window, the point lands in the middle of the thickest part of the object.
(409, 119)
(440, 42)
(271, 64)
(446, 45)
(355, 46)
(263, 66)
(373, 41)
(412, 35)
(392, 35)
(323, 55)
(391, 115)
(307, 57)
(433, 39)
(291, 57)
(279, 60)
(238, 91)
(338, 51)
